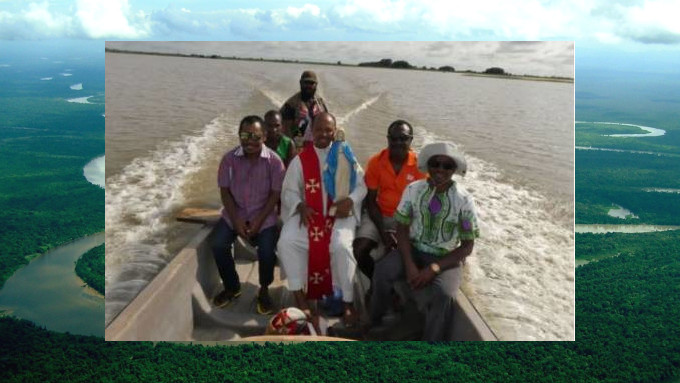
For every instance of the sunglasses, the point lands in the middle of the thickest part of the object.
(249, 136)
(446, 165)
(404, 138)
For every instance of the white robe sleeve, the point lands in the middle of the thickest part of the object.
(291, 192)
(358, 194)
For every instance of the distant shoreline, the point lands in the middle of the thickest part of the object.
(521, 77)
(339, 63)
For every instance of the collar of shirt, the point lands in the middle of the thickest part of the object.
(411, 158)
(264, 153)
(323, 152)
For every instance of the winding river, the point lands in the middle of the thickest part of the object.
(49, 293)
(602, 229)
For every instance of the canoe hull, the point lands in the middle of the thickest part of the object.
(175, 305)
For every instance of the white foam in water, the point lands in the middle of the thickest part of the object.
(94, 171)
(66, 74)
(78, 86)
(46, 78)
(274, 97)
(139, 205)
(521, 274)
(80, 100)
(342, 120)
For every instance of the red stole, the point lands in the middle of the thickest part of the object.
(320, 228)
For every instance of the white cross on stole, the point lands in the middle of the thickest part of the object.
(312, 185)
(316, 233)
(316, 278)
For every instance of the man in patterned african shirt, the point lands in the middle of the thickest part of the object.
(436, 227)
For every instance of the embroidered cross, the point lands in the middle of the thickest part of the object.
(316, 278)
(316, 234)
(312, 185)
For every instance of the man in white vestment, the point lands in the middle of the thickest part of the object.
(320, 206)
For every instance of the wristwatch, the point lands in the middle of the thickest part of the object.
(434, 266)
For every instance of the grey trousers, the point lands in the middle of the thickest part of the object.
(436, 300)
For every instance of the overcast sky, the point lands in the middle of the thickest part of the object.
(646, 28)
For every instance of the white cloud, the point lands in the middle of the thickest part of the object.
(38, 14)
(652, 22)
(307, 8)
(382, 11)
(609, 21)
(95, 19)
(110, 18)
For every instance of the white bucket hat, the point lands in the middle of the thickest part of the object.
(442, 149)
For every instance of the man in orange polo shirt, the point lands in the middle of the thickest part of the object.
(387, 175)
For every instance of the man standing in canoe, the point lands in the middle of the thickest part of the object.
(321, 200)
(299, 110)
(250, 178)
(436, 227)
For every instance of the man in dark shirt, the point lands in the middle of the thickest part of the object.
(299, 110)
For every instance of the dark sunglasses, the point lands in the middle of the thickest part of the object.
(446, 165)
(404, 138)
(246, 136)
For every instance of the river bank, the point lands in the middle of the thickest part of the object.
(48, 292)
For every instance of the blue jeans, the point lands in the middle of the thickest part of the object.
(223, 239)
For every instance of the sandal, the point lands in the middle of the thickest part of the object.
(350, 318)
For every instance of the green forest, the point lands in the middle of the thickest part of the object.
(626, 311)
(45, 142)
(90, 268)
(596, 246)
(607, 178)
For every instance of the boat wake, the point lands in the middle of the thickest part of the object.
(278, 100)
(140, 203)
(363, 106)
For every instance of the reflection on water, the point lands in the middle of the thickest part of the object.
(581, 262)
(621, 212)
(48, 292)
